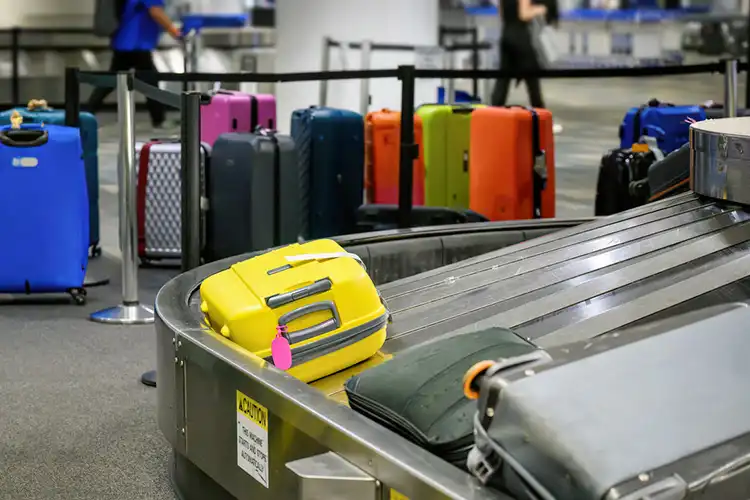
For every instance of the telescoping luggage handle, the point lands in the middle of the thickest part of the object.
(320, 286)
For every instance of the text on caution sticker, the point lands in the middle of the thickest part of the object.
(252, 410)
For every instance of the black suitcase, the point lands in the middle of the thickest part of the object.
(253, 194)
(377, 217)
(623, 181)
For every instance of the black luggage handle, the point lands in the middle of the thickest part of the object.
(539, 170)
(462, 110)
(321, 328)
(653, 103)
(24, 138)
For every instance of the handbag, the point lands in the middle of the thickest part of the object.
(543, 38)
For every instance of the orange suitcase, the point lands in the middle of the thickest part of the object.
(382, 143)
(512, 163)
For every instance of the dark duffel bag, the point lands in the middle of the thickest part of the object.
(419, 393)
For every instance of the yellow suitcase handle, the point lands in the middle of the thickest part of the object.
(282, 299)
(321, 328)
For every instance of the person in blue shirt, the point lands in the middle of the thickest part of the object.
(142, 23)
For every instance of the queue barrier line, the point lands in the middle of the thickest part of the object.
(677, 70)
(189, 104)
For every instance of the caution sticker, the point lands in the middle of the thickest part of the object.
(395, 495)
(252, 438)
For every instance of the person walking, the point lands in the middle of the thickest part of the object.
(516, 49)
(142, 23)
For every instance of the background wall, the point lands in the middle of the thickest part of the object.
(302, 24)
(46, 13)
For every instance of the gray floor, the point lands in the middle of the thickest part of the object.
(75, 423)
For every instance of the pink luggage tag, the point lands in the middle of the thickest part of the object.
(281, 352)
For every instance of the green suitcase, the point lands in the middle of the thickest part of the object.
(446, 132)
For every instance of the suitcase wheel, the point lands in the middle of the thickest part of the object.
(95, 251)
(78, 295)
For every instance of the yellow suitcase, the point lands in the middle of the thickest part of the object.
(332, 312)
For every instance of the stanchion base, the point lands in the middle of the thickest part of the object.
(135, 314)
(149, 378)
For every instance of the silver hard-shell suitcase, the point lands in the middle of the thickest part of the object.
(159, 189)
(657, 412)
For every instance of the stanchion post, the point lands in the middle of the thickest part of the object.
(191, 180)
(747, 61)
(475, 60)
(730, 88)
(72, 98)
(364, 83)
(130, 311)
(409, 150)
(15, 57)
(325, 64)
(450, 83)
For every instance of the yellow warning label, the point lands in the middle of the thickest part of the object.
(252, 410)
(395, 495)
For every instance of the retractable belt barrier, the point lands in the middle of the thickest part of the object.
(188, 103)
(130, 311)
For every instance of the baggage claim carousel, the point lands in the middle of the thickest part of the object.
(576, 282)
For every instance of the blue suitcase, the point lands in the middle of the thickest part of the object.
(44, 211)
(331, 150)
(667, 123)
(90, 140)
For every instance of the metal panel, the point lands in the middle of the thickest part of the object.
(721, 159)
(301, 422)
(166, 384)
(331, 477)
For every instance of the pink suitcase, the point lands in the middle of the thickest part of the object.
(232, 111)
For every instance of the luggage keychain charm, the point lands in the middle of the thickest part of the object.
(281, 353)
(16, 120)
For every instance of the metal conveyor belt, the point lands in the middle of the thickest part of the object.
(645, 264)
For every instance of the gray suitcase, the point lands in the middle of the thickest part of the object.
(670, 175)
(253, 194)
(159, 198)
(657, 412)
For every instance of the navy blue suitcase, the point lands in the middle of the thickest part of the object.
(331, 149)
(44, 211)
(90, 140)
